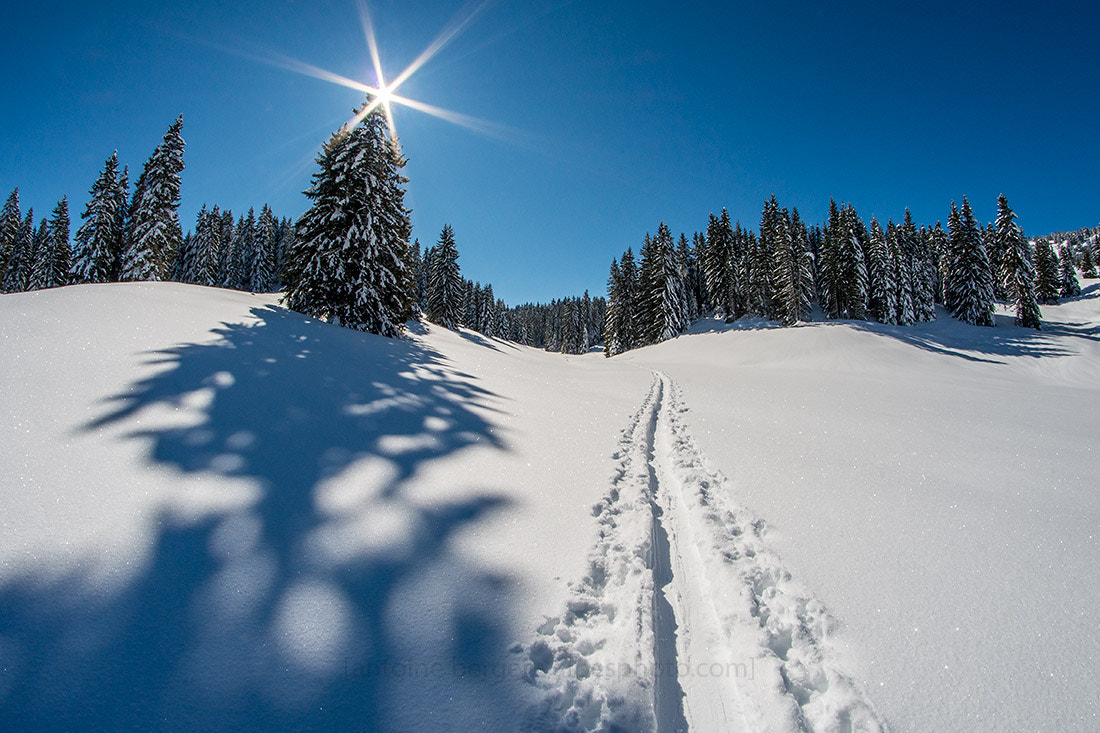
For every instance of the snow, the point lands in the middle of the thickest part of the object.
(219, 513)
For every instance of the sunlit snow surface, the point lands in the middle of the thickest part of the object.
(215, 513)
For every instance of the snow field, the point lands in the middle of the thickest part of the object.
(750, 646)
(217, 513)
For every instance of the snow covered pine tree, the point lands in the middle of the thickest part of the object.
(154, 234)
(348, 264)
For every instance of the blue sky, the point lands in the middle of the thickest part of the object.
(612, 115)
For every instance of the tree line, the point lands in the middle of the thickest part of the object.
(894, 274)
(443, 296)
(136, 236)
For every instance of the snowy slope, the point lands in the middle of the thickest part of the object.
(216, 513)
(935, 487)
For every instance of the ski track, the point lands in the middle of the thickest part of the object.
(685, 619)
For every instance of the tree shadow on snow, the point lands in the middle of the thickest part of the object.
(971, 343)
(331, 600)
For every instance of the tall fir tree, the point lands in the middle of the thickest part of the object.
(41, 258)
(1016, 271)
(1071, 286)
(488, 311)
(205, 246)
(672, 315)
(263, 260)
(426, 277)
(243, 252)
(348, 264)
(630, 335)
(287, 237)
(227, 235)
(792, 269)
(61, 248)
(445, 288)
(10, 221)
(883, 287)
(718, 264)
(613, 325)
(416, 262)
(852, 285)
(685, 261)
(1048, 273)
(907, 268)
(828, 264)
(994, 248)
(650, 292)
(17, 273)
(94, 258)
(153, 234)
(924, 277)
(969, 279)
(122, 222)
(1088, 263)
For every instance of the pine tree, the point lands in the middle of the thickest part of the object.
(426, 277)
(829, 278)
(760, 290)
(925, 277)
(445, 285)
(1016, 271)
(970, 279)
(416, 265)
(10, 221)
(287, 237)
(488, 313)
(153, 234)
(996, 251)
(205, 246)
(263, 260)
(613, 325)
(685, 262)
(630, 336)
(804, 256)
(41, 258)
(1048, 273)
(1088, 263)
(468, 313)
(60, 246)
(907, 267)
(851, 243)
(22, 251)
(97, 238)
(883, 288)
(243, 252)
(793, 266)
(718, 264)
(698, 283)
(650, 291)
(122, 223)
(672, 317)
(1071, 287)
(227, 235)
(349, 262)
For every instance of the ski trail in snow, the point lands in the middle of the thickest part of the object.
(710, 669)
(685, 619)
(594, 662)
(668, 693)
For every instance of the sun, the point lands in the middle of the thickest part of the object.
(383, 94)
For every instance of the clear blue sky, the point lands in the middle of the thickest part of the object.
(618, 114)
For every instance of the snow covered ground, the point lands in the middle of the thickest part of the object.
(216, 513)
